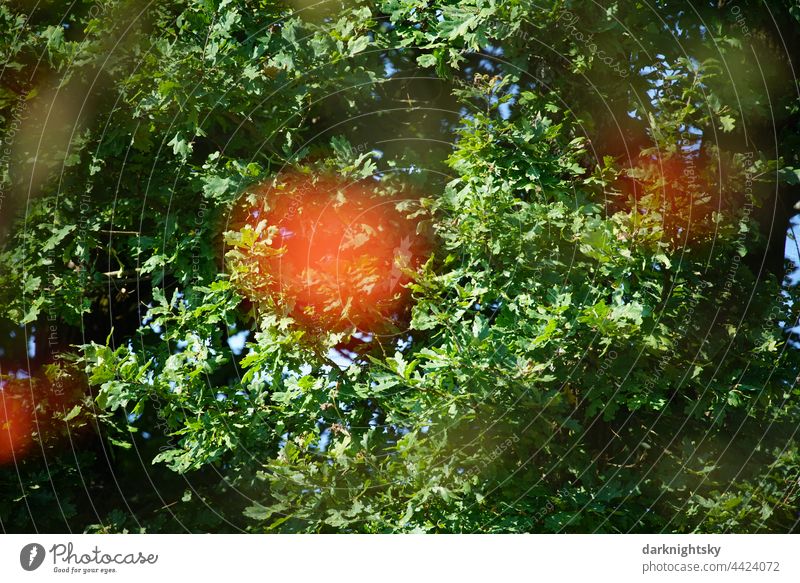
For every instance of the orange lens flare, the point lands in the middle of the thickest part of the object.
(337, 254)
(683, 197)
(16, 428)
(32, 414)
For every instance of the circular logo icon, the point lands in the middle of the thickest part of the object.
(31, 556)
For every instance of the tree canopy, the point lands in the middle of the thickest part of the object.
(399, 266)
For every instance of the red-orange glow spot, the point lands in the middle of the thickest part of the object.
(16, 428)
(336, 254)
(682, 197)
(32, 412)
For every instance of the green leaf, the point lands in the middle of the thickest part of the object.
(180, 147)
(358, 44)
(427, 60)
(74, 412)
(727, 123)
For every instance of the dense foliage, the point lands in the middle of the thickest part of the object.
(595, 334)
